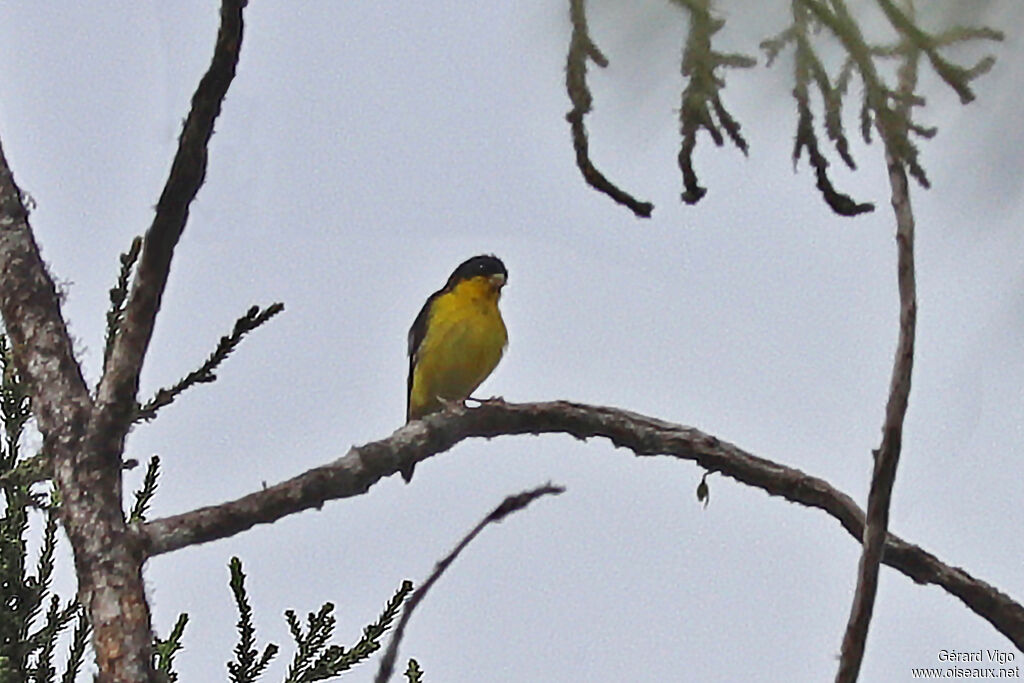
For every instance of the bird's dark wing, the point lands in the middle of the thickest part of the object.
(416, 335)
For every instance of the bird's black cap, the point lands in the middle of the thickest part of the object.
(483, 265)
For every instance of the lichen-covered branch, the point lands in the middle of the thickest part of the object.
(363, 466)
(880, 104)
(701, 104)
(807, 69)
(582, 49)
(890, 110)
(702, 107)
(956, 77)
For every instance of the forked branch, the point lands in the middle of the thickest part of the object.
(117, 390)
(83, 437)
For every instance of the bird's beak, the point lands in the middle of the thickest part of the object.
(497, 280)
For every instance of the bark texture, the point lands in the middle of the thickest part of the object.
(108, 560)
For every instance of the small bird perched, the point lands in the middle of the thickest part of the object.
(456, 340)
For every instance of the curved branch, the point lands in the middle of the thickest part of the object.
(511, 504)
(363, 466)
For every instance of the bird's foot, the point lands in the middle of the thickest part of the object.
(450, 405)
(493, 400)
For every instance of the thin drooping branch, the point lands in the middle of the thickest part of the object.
(363, 466)
(116, 395)
(887, 456)
(107, 563)
(511, 504)
(582, 49)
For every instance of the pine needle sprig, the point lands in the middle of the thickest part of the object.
(336, 660)
(144, 496)
(252, 319)
(76, 652)
(44, 641)
(310, 645)
(44, 566)
(249, 664)
(413, 672)
(165, 649)
(370, 642)
(119, 296)
(15, 406)
(32, 618)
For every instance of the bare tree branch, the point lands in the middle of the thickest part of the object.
(887, 456)
(511, 504)
(581, 49)
(363, 466)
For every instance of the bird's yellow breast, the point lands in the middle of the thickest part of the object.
(464, 341)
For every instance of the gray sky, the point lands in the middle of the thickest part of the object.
(367, 148)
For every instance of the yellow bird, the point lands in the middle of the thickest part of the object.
(456, 340)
